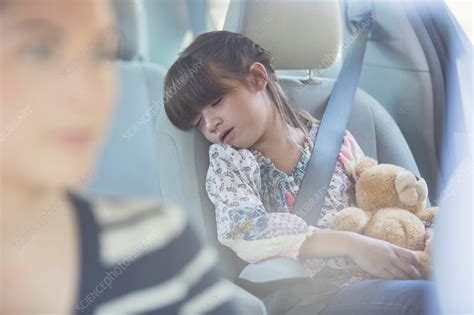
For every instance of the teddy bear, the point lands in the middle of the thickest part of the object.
(391, 206)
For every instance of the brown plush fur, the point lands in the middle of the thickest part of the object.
(391, 207)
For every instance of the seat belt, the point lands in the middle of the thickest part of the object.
(327, 145)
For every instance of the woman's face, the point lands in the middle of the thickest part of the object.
(57, 86)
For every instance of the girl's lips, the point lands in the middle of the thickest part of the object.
(226, 135)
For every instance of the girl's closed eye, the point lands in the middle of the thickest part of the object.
(216, 102)
(199, 119)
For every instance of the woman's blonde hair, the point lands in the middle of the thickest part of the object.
(196, 78)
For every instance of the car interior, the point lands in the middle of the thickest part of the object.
(399, 114)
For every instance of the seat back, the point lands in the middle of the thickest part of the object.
(127, 166)
(183, 156)
(182, 163)
(374, 129)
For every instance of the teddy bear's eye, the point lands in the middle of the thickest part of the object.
(417, 178)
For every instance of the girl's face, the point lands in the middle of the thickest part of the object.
(240, 117)
(57, 87)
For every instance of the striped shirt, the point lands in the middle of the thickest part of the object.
(143, 258)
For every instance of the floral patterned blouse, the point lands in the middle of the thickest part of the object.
(254, 203)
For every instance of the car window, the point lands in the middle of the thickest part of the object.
(462, 12)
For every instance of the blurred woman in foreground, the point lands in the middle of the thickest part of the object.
(62, 253)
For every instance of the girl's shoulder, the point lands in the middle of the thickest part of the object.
(222, 153)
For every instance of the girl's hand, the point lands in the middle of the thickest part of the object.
(384, 260)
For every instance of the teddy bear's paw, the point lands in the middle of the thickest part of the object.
(351, 219)
(411, 189)
(427, 214)
(364, 164)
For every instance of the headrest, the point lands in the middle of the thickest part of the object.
(300, 34)
(128, 28)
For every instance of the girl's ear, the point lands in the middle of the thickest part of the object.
(258, 76)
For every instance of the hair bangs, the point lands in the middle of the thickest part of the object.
(190, 85)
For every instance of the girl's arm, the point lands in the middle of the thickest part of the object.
(327, 243)
(379, 258)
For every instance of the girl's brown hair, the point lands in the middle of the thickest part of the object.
(195, 79)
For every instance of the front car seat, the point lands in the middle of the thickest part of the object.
(127, 166)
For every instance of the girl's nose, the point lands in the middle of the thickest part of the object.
(213, 123)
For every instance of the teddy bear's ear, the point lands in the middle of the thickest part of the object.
(365, 163)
